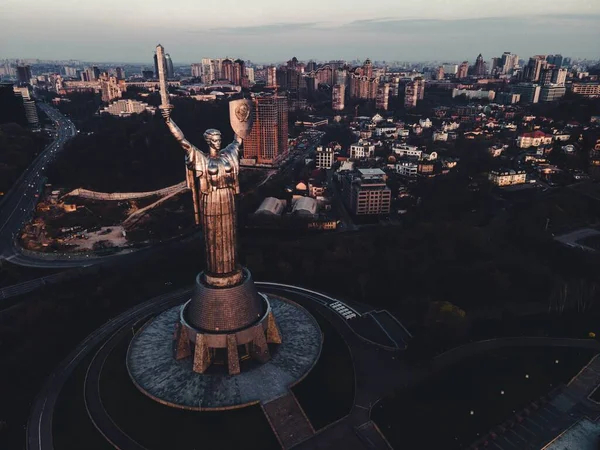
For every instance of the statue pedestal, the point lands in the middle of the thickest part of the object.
(223, 320)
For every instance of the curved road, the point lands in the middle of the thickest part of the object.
(19, 203)
(39, 425)
(376, 372)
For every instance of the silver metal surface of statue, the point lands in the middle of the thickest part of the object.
(217, 177)
(225, 312)
(215, 180)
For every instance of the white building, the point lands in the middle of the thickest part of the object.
(403, 133)
(305, 206)
(407, 169)
(127, 107)
(389, 131)
(425, 123)
(362, 150)
(479, 94)
(324, 157)
(407, 150)
(271, 206)
(450, 69)
(337, 97)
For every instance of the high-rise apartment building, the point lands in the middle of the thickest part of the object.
(413, 92)
(533, 69)
(450, 69)
(250, 74)
(439, 73)
(557, 60)
(239, 73)
(169, 65)
(508, 63)
(23, 74)
(271, 77)
(70, 71)
(268, 138)
(338, 93)
(227, 70)
(111, 87)
(196, 70)
(362, 82)
(155, 66)
(383, 95)
(530, 92)
(559, 76)
(479, 69)
(463, 70)
(29, 105)
(496, 66)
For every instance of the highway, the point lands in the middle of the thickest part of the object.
(19, 203)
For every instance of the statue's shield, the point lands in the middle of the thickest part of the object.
(241, 116)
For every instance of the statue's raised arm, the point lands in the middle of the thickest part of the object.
(194, 158)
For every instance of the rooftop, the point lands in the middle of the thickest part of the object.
(371, 172)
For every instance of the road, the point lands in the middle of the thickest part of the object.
(39, 426)
(572, 239)
(19, 203)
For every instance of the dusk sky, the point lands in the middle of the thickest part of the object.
(274, 30)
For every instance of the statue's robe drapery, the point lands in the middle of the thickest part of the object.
(218, 184)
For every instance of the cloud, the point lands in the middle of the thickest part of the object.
(272, 28)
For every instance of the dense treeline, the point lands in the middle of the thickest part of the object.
(136, 153)
(18, 147)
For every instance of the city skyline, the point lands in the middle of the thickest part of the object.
(396, 30)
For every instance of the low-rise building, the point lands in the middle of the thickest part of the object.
(496, 150)
(529, 92)
(552, 93)
(361, 150)
(127, 107)
(507, 98)
(586, 89)
(441, 136)
(470, 94)
(407, 169)
(533, 139)
(425, 123)
(366, 192)
(324, 157)
(271, 207)
(403, 150)
(507, 177)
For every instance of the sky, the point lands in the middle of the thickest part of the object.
(276, 30)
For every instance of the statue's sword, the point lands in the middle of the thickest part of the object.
(164, 104)
(162, 76)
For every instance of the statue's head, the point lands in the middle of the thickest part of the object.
(213, 139)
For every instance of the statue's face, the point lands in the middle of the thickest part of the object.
(214, 142)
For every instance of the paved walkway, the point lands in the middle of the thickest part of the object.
(288, 421)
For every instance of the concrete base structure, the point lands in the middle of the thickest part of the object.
(236, 319)
(197, 382)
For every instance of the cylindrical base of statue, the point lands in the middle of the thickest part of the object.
(226, 323)
(217, 309)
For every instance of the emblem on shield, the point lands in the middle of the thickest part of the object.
(241, 117)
